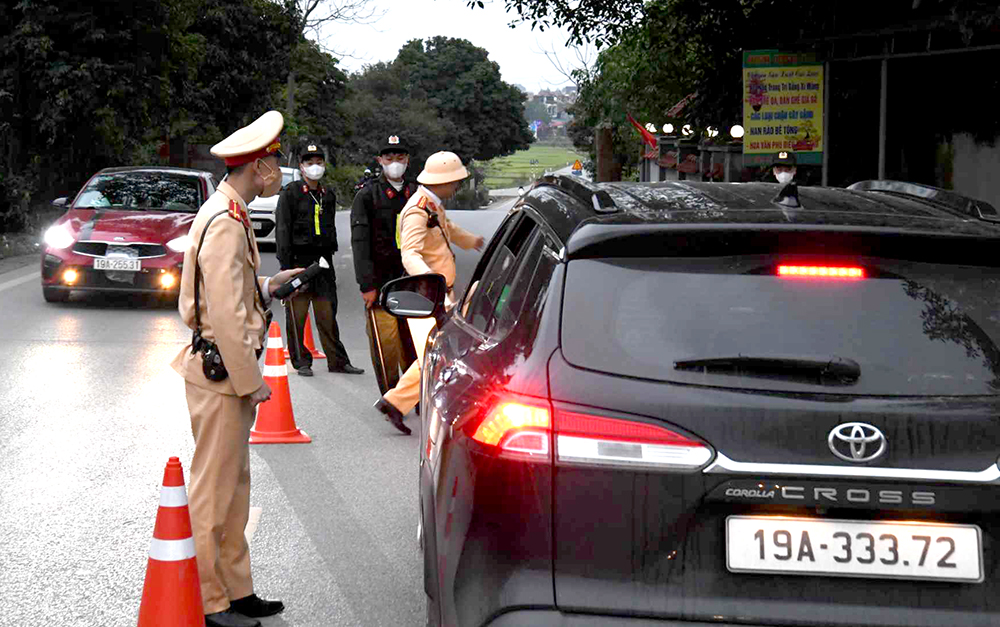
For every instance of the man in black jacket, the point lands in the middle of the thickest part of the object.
(305, 233)
(377, 260)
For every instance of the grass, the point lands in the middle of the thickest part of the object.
(518, 168)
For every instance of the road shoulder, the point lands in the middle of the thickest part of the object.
(9, 264)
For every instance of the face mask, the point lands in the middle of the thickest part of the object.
(395, 170)
(784, 177)
(272, 181)
(315, 171)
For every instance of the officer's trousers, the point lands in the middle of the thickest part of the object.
(219, 494)
(391, 347)
(322, 294)
(406, 394)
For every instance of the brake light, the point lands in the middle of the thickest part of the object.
(829, 272)
(582, 438)
(517, 428)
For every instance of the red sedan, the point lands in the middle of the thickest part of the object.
(126, 231)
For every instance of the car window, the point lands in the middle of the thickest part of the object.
(493, 291)
(141, 191)
(527, 290)
(915, 329)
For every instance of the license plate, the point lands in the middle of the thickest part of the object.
(117, 263)
(850, 548)
(257, 224)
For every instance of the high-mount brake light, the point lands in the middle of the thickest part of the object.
(828, 272)
(517, 428)
(586, 439)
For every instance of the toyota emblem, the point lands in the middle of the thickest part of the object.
(857, 442)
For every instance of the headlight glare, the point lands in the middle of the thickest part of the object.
(179, 244)
(58, 237)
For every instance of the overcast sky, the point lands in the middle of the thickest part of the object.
(517, 50)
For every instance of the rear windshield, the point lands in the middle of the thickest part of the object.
(912, 328)
(141, 191)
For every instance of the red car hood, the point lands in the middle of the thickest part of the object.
(107, 225)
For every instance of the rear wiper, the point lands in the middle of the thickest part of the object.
(831, 369)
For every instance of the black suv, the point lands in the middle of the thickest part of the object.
(691, 403)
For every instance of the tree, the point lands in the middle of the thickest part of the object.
(599, 21)
(535, 110)
(458, 80)
(84, 86)
(377, 107)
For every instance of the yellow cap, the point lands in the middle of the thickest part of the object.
(442, 167)
(254, 141)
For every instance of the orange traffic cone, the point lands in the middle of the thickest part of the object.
(275, 421)
(171, 595)
(307, 340)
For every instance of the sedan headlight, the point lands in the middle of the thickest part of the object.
(179, 244)
(58, 237)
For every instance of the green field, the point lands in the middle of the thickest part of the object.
(518, 168)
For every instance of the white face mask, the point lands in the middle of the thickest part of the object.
(784, 177)
(395, 170)
(315, 171)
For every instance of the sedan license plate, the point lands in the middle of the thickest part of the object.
(851, 548)
(118, 263)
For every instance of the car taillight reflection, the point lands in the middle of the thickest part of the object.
(523, 430)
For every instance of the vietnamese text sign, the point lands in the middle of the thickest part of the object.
(782, 105)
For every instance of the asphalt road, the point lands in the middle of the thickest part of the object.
(90, 411)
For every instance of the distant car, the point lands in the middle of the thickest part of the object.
(125, 231)
(693, 403)
(262, 209)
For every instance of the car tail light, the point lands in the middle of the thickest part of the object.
(516, 427)
(582, 438)
(523, 430)
(821, 272)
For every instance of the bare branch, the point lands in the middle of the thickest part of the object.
(586, 56)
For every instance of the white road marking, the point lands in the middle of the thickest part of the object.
(15, 282)
(252, 523)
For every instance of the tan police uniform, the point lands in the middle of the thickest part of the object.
(425, 250)
(233, 318)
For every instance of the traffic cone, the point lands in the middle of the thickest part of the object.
(171, 595)
(275, 421)
(307, 340)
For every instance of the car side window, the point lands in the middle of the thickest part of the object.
(502, 232)
(492, 293)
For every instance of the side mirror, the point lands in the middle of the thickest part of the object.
(420, 296)
(60, 202)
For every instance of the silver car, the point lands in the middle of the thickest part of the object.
(262, 209)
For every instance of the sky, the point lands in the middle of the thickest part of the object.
(517, 51)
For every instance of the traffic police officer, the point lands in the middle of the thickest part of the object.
(306, 232)
(377, 260)
(426, 235)
(783, 169)
(224, 301)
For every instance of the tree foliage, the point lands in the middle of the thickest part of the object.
(458, 80)
(88, 85)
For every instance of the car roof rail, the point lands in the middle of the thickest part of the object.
(584, 191)
(971, 207)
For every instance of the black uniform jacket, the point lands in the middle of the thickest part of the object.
(377, 259)
(303, 234)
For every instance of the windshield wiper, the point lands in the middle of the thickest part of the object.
(831, 369)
